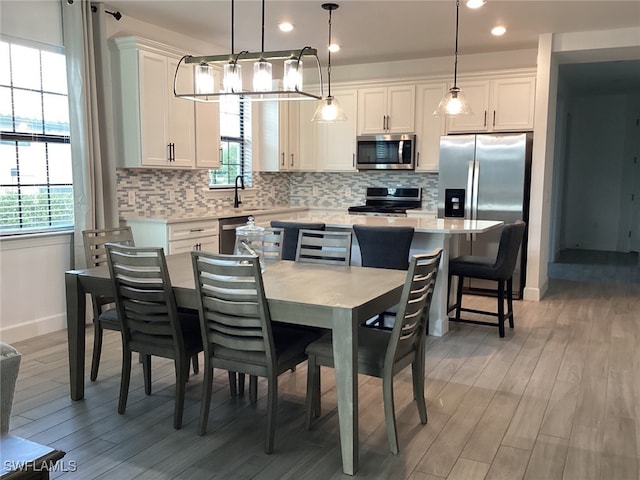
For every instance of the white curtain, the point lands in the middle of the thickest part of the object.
(91, 119)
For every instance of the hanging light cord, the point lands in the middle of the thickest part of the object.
(263, 25)
(233, 27)
(329, 61)
(455, 61)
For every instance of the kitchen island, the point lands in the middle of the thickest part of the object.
(430, 233)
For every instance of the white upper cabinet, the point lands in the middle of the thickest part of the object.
(276, 142)
(386, 110)
(336, 142)
(498, 105)
(208, 152)
(429, 128)
(308, 137)
(156, 129)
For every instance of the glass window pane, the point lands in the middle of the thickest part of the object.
(5, 74)
(9, 213)
(33, 162)
(56, 114)
(60, 163)
(6, 112)
(25, 67)
(54, 73)
(8, 166)
(28, 111)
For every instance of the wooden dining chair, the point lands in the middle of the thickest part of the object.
(290, 239)
(324, 247)
(384, 247)
(151, 323)
(105, 316)
(236, 329)
(384, 353)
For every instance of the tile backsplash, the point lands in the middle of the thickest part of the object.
(176, 192)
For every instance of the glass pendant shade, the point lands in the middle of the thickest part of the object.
(262, 76)
(453, 103)
(292, 79)
(328, 110)
(232, 78)
(204, 79)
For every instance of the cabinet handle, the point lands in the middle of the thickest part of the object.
(193, 230)
(292, 159)
(168, 152)
(485, 118)
(282, 159)
(173, 152)
(494, 118)
(418, 160)
(353, 161)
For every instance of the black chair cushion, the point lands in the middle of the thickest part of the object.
(372, 347)
(384, 247)
(290, 235)
(109, 319)
(474, 267)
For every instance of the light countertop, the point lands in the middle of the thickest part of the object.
(212, 215)
(426, 224)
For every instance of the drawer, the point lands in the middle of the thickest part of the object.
(189, 230)
(204, 244)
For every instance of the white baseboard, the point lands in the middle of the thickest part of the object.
(536, 294)
(33, 328)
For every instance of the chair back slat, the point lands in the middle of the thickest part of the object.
(144, 296)
(95, 240)
(324, 247)
(409, 328)
(232, 318)
(272, 243)
(290, 238)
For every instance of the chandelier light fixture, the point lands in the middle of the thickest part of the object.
(262, 88)
(454, 103)
(329, 110)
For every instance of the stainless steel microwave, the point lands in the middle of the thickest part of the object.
(386, 152)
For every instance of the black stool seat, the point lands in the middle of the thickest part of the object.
(499, 269)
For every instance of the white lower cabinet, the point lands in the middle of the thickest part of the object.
(180, 237)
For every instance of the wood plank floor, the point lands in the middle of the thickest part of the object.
(557, 398)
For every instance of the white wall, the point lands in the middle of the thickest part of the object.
(594, 168)
(32, 293)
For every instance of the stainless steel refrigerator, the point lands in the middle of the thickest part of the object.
(486, 177)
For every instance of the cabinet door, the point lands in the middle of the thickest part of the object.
(207, 129)
(292, 135)
(153, 91)
(513, 101)
(202, 244)
(337, 141)
(181, 116)
(429, 127)
(401, 103)
(308, 136)
(477, 95)
(372, 110)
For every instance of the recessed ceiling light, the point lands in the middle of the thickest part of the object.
(475, 3)
(285, 27)
(334, 47)
(498, 31)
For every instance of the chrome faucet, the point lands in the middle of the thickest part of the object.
(236, 197)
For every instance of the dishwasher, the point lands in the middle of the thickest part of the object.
(227, 228)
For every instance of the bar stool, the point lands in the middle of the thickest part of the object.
(499, 269)
(290, 237)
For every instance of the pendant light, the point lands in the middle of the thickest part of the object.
(262, 69)
(454, 103)
(203, 89)
(329, 110)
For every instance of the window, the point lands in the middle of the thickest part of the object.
(36, 192)
(233, 144)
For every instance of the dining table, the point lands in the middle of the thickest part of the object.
(337, 298)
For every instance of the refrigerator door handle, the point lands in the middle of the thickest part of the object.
(476, 181)
(469, 205)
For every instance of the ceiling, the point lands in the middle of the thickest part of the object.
(378, 31)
